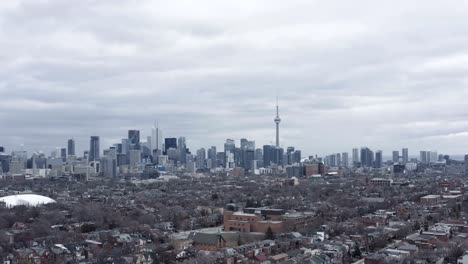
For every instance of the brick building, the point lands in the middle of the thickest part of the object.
(260, 219)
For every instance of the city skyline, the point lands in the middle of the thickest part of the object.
(364, 74)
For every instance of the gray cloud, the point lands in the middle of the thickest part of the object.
(386, 75)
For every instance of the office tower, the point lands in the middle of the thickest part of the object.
(16, 165)
(355, 157)
(169, 143)
(250, 144)
(396, 156)
(367, 157)
(296, 156)
(220, 157)
(182, 148)
(338, 160)
(125, 147)
(433, 157)
(2, 149)
(34, 164)
(259, 154)
(134, 157)
(71, 147)
(378, 159)
(53, 153)
(212, 153)
(332, 160)
(212, 159)
(229, 160)
(229, 149)
(21, 156)
(156, 138)
(122, 159)
(344, 159)
(118, 148)
(109, 166)
(268, 153)
(112, 151)
(173, 154)
(243, 143)
(201, 158)
(272, 155)
(405, 156)
(423, 156)
(5, 162)
(94, 148)
(277, 122)
(134, 139)
(248, 159)
(146, 153)
(190, 165)
(63, 154)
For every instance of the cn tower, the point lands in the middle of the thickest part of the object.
(277, 121)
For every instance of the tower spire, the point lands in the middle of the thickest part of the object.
(277, 120)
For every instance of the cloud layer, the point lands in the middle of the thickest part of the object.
(363, 73)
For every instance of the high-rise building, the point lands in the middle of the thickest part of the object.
(338, 159)
(433, 157)
(296, 156)
(2, 149)
(109, 166)
(156, 138)
(248, 159)
(212, 153)
(243, 143)
(182, 148)
(169, 143)
(125, 146)
(71, 147)
(212, 159)
(378, 159)
(118, 148)
(277, 122)
(229, 149)
(367, 157)
(94, 148)
(404, 155)
(396, 156)
(5, 162)
(134, 157)
(259, 154)
(272, 155)
(173, 154)
(134, 139)
(355, 157)
(122, 159)
(428, 156)
(201, 159)
(344, 159)
(63, 154)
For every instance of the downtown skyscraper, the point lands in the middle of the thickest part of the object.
(71, 147)
(156, 138)
(94, 148)
(404, 155)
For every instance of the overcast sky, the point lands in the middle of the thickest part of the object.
(383, 74)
